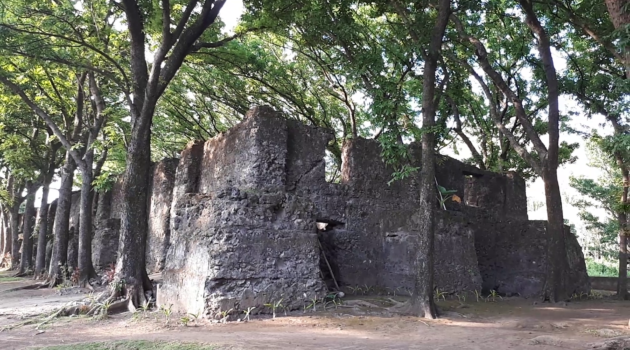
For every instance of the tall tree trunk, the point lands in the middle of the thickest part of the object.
(555, 288)
(422, 302)
(3, 241)
(131, 262)
(62, 222)
(52, 209)
(620, 18)
(14, 225)
(40, 261)
(6, 249)
(622, 281)
(26, 261)
(86, 269)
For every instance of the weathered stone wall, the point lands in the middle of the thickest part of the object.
(605, 283)
(377, 244)
(238, 239)
(233, 223)
(246, 206)
(158, 236)
(512, 257)
(107, 227)
(108, 214)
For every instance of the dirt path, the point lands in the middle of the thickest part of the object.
(508, 324)
(16, 303)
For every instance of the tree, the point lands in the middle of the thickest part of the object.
(598, 83)
(620, 17)
(25, 146)
(42, 217)
(377, 49)
(83, 159)
(422, 303)
(175, 43)
(603, 192)
(545, 160)
(255, 70)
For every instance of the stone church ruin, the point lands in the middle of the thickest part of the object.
(246, 219)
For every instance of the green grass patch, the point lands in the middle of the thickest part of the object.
(133, 345)
(9, 279)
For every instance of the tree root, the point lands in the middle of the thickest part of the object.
(104, 306)
(18, 325)
(50, 318)
(27, 287)
(60, 312)
(419, 310)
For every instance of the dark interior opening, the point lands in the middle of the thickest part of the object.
(471, 189)
(326, 230)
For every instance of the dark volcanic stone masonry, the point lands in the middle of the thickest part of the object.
(235, 223)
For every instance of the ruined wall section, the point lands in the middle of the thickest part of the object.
(250, 155)
(377, 244)
(107, 227)
(513, 258)
(498, 195)
(246, 204)
(160, 201)
(305, 166)
(240, 239)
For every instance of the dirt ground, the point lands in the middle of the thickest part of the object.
(362, 323)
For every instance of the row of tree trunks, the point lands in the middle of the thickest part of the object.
(42, 220)
(3, 237)
(622, 217)
(14, 227)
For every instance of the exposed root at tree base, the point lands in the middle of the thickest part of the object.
(107, 303)
(27, 287)
(64, 311)
(425, 310)
(21, 274)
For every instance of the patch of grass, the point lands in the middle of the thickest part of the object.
(9, 279)
(133, 345)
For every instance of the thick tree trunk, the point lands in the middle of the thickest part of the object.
(3, 240)
(6, 248)
(52, 209)
(620, 18)
(422, 303)
(26, 260)
(14, 225)
(40, 261)
(62, 222)
(555, 288)
(86, 269)
(622, 281)
(131, 262)
(2, 243)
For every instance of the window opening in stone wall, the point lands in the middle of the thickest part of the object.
(472, 189)
(333, 168)
(327, 261)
